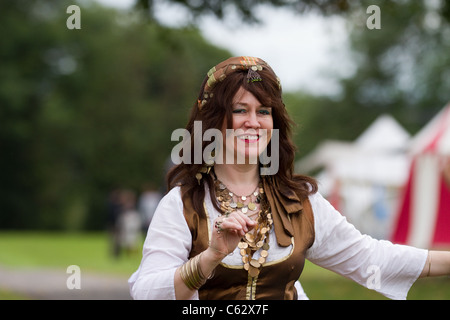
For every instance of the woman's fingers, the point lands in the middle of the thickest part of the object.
(250, 223)
(236, 221)
(245, 221)
(230, 224)
(228, 230)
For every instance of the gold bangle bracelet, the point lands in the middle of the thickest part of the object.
(191, 274)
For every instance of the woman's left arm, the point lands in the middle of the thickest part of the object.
(438, 264)
(379, 265)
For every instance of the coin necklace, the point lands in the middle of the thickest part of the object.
(253, 240)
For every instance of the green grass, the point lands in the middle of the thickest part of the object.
(8, 295)
(91, 252)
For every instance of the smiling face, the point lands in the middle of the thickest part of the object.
(250, 134)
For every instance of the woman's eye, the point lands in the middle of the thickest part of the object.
(238, 110)
(265, 112)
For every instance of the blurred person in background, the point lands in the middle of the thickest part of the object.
(129, 223)
(148, 201)
(123, 222)
(113, 210)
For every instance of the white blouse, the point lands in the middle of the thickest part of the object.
(376, 264)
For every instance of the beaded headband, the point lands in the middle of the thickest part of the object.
(219, 73)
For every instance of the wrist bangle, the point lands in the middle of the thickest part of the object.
(191, 274)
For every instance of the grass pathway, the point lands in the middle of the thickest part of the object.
(34, 265)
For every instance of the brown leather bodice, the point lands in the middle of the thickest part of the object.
(276, 279)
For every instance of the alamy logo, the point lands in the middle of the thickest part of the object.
(374, 20)
(74, 280)
(374, 280)
(74, 20)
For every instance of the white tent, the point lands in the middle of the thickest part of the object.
(362, 179)
(423, 219)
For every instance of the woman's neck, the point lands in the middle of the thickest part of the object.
(241, 179)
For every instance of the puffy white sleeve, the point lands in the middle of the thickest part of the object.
(376, 264)
(166, 247)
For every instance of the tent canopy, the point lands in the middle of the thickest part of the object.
(376, 156)
(434, 137)
(362, 179)
(423, 219)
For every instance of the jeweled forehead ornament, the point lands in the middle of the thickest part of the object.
(219, 73)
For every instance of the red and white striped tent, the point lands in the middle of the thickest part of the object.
(423, 218)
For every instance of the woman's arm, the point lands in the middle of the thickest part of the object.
(376, 264)
(224, 238)
(167, 247)
(438, 264)
(207, 263)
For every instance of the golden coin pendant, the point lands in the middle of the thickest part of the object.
(253, 272)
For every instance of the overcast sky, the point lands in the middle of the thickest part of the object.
(304, 50)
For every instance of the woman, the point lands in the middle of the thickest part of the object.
(228, 229)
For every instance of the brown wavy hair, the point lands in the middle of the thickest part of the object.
(219, 107)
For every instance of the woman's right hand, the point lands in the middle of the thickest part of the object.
(228, 231)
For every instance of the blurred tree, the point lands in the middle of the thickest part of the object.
(402, 69)
(246, 8)
(85, 111)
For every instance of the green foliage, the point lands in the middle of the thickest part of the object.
(401, 69)
(84, 111)
(246, 8)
